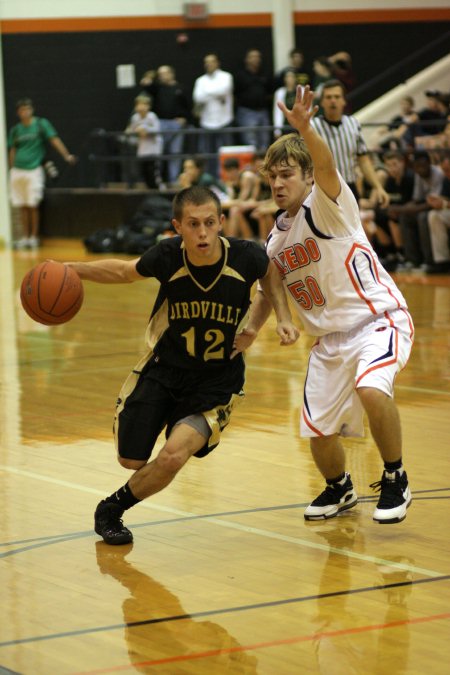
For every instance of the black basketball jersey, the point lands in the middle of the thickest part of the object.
(199, 308)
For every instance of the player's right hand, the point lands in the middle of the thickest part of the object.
(287, 332)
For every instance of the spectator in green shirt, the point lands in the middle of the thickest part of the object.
(27, 149)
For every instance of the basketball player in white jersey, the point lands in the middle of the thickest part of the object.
(345, 298)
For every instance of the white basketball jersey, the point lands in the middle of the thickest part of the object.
(329, 267)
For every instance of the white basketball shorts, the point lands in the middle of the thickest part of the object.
(370, 355)
(26, 186)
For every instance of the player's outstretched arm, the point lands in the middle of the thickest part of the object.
(325, 174)
(110, 271)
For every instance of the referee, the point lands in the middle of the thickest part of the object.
(343, 135)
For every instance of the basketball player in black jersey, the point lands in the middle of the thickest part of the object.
(192, 376)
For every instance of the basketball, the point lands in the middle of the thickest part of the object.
(51, 293)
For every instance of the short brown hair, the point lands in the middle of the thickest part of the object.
(331, 84)
(197, 195)
(394, 154)
(286, 148)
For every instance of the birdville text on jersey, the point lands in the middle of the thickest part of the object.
(206, 309)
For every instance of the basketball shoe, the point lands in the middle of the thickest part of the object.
(395, 497)
(334, 498)
(109, 525)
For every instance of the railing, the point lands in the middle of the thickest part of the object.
(106, 157)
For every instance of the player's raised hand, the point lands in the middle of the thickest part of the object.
(302, 111)
(287, 332)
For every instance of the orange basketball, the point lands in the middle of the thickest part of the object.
(51, 293)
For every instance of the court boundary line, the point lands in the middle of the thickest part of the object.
(217, 514)
(221, 611)
(297, 541)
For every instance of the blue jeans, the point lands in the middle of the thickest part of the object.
(245, 117)
(173, 143)
(210, 143)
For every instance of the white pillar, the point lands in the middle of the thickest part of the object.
(5, 213)
(283, 31)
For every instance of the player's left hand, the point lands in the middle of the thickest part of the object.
(287, 332)
(242, 341)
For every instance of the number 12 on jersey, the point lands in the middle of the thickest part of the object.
(215, 350)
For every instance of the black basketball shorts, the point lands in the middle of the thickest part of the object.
(157, 396)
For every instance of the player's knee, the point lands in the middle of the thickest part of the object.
(323, 444)
(171, 461)
(133, 464)
(370, 396)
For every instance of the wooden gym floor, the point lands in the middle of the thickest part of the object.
(224, 576)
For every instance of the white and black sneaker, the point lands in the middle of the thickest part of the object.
(334, 499)
(33, 242)
(395, 497)
(108, 524)
(21, 243)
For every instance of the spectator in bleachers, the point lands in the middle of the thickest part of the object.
(194, 173)
(172, 106)
(253, 94)
(436, 228)
(243, 187)
(297, 65)
(342, 70)
(286, 94)
(213, 101)
(264, 213)
(400, 187)
(431, 120)
(27, 147)
(428, 179)
(368, 203)
(343, 135)
(144, 125)
(322, 73)
(391, 136)
(261, 213)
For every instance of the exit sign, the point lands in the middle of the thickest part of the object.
(195, 10)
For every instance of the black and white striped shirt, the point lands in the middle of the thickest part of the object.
(345, 141)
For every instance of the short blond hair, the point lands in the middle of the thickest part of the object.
(142, 98)
(288, 149)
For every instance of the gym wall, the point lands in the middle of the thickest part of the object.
(67, 64)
